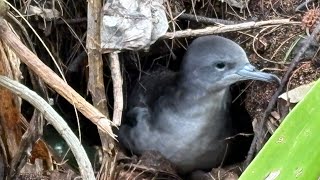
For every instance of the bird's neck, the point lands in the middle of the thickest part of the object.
(208, 99)
(190, 88)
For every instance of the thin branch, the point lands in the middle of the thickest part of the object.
(57, 121)
(96, 84)
(53, 80)
(117, 88)
(226, 28)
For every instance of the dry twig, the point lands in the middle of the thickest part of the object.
(96, 85)
(226, 28)
(117, 88)
(57, 121)
(52, 79)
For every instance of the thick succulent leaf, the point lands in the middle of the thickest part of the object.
(293, 151)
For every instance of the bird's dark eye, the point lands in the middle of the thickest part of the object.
(220, 65)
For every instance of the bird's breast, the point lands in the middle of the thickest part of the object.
(194, 138)
(201, 121)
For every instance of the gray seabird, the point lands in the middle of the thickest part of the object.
(185, 115)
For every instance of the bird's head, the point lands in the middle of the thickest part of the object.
(214, 63)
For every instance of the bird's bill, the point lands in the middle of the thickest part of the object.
(250, 72)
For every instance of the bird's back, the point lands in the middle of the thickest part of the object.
(150, 87)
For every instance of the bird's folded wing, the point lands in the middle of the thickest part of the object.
(150, 87)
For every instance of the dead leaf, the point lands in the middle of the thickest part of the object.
(297, 94)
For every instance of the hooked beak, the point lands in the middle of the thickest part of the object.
(250, 72)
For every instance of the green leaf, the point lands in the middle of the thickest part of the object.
(293, 151)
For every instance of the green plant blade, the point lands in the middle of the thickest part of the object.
(293, 151)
